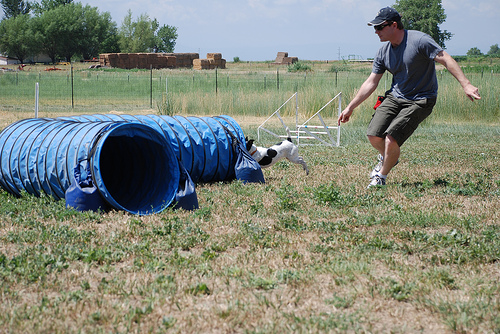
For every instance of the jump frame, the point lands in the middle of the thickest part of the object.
(328, 135)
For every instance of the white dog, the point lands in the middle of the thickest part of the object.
(266, 157)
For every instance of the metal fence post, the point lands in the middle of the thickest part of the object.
(37, 95)
(72, 89)
(278, 78)
(151, 86)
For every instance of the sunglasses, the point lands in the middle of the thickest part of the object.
(382, 26)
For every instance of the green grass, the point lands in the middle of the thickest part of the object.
(254, 89)
(316, 253)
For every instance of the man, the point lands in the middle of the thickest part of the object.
(410, 56)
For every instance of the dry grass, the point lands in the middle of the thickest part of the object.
(306, 254)
(316, 253)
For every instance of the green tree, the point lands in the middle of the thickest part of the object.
(16, 37)
(125, 33)
(474, 52)
(46, 5)
(425, 16)
(60, 31)
(13, 8)
(145, 35)
(166, 38)
(494, 50)
(73, 30)
(137, 36)
(99, 33)
(43, 31)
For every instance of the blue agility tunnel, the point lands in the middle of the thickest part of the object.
(137, 163)
(203, 144)
(133, 168)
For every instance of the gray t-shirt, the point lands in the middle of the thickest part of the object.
(411, 64)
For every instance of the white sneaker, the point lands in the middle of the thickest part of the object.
(378, 167)
(376, 181)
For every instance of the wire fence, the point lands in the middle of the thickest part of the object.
(94, 90)
(247, 92)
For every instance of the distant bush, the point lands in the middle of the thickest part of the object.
(236, 59)
(338, 68)
(299, 67)
(459, 59)
(481, 69)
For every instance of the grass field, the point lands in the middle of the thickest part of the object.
(303, 254)
(253, 89)
(316, 253)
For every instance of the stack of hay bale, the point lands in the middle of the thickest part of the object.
(184, 59)
(108, 59)
(283, 59)
(214, 60)
(147, 60)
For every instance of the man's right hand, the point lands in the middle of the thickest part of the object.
(344, 116)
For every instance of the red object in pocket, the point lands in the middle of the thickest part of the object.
(379, 101)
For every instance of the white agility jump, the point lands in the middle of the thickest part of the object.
(313, 130)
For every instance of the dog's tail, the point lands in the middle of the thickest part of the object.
(289, 138)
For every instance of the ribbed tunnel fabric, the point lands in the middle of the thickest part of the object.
(134, 167)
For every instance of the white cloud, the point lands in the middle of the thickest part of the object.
(465, 9)
(312, 29)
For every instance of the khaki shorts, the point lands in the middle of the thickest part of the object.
(399, 118)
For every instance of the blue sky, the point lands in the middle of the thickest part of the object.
(256, 30)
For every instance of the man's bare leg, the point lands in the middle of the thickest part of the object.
(390, 151)
(391, 155)
(378, 143)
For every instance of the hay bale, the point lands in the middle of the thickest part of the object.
(201, 62)
(184, 59)
(167, 61)
(104, 59)
(123, 61)
(283, 59)
(135, 60)
(198, 64)
(108, 59)
(216, 56)
(280, 57)
(290, 60)
(147, 60)
(208, 64)
(213, 61)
